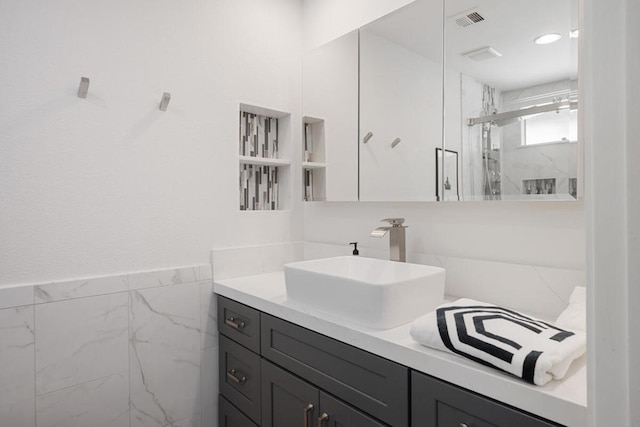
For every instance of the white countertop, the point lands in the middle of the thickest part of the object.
(562, 401)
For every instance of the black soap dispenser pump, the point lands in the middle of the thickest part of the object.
(355, 248)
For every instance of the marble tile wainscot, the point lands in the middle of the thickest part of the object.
(128, 350)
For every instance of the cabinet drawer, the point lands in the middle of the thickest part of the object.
(240, 377)
(230, 416)
(437, 403)
(239, 322)
(371, 383)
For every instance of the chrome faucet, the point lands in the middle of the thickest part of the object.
(397, 245)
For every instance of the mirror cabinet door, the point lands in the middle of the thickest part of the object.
(511, 99)
(401, 103)
(497, 120)
(330, 110)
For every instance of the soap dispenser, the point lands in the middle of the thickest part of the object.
(355, 248)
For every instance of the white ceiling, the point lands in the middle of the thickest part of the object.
(510, 26)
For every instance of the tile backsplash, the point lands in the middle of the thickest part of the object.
(125, 350)
(539, 290)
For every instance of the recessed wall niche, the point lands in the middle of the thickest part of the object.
(314, 160)
(264, 136)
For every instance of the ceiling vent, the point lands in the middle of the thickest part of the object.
(467, 18)
(482, 54)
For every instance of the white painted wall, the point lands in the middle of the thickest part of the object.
(110, 184)
(633, 202)
(611, 91)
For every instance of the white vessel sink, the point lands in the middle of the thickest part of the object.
(374, 293)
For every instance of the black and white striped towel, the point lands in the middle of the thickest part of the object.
(526, 347)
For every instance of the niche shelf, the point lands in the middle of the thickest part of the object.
(314, 165)
(264, 175)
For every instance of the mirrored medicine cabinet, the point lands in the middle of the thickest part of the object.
(448, 101)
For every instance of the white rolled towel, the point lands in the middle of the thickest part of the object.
(531, 349)
(575, 315)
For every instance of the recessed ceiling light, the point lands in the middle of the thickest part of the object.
(574, 33)
(547, 38)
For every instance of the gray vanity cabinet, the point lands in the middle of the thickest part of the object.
(435, 403)
(274, 373)
(239, 364)
(294, 368)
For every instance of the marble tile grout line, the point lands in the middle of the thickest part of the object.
(35, 384)
(129, 354)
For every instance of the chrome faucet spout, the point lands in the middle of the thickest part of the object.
(380, 231)
(397, 241)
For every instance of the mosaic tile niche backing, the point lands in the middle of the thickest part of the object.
(258, 183)
(258, 188)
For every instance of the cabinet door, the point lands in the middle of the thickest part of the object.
(230, 416)
(287, 401)
(335, 414)
(438, 403)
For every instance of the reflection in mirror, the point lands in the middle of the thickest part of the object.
(330, 110)
(401, 103)
(510, 102)
(447, 167)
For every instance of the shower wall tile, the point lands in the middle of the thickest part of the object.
(97, 403)
(153, 279)
(17, 347)
(165, 355)
(59, 291)
(80, 340)
(16, 296)
(208, 316)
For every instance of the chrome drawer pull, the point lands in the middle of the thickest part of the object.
(322, 418)
(233, 377)
(236, 324)
(463, 425)
(307, 409)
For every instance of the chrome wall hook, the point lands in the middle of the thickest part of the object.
(367, 137)
(83, 89)
(164, 102)
(395, 142)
